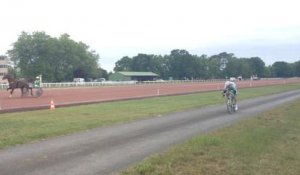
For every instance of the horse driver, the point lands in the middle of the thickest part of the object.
(231, 86)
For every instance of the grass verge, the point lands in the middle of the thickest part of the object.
(266, 144)
(24, 127)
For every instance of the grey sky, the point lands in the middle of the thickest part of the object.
(117, 28)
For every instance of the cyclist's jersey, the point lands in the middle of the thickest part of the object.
(231, 86)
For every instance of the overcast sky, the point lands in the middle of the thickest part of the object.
(269, 29)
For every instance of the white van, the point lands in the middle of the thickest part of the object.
(79, 80)
(99, 80)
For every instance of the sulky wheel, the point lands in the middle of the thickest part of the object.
(39, 92)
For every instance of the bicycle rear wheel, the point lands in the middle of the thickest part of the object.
(229, 104)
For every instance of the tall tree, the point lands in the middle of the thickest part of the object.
(159, 66)
(29, 51)
(244, 69)
(281, 69)
(124, 64)
(200, 67)
(268, 72)
(57, 59)
(143, 62)
(297, 69)
(182, 64)
(257, 66)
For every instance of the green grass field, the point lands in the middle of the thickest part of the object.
(24, 127)
(268, 144)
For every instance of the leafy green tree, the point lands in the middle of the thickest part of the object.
(201, 67)
(29, 51)
(268, 72)
(57, 59)
(244, 69)
(102, 73)
(143, 62)
(233, 68)
(257, 66)
(182, 65)
(213, 68)
(281, 69)
(125, 64)
(297, 69)
(159, 66)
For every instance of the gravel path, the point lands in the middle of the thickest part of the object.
(110, 149)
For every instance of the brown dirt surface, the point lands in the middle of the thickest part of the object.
(81, 95)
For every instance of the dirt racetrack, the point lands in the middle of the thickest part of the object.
(82, 95)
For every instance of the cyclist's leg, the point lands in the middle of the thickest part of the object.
(235, 99)
(235, 102)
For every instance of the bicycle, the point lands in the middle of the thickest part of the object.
(230, 102)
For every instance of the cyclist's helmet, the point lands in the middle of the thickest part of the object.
(227, 83)
(232, 79)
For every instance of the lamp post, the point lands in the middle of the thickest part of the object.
(223, 63)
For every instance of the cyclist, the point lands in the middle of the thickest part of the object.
(231, 86)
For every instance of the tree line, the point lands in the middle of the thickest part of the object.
(180, 64)
(61, 59)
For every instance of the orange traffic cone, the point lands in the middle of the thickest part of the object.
(52, 106)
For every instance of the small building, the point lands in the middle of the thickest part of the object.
(5, 64)
(133, 76)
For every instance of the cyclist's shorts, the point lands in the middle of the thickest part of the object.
(233, 90)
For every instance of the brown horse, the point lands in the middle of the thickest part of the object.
(14, 84)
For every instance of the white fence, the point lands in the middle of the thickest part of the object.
(3, 86)
(86, 84)
(120, 83)
(111, 83)
(116, 83)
